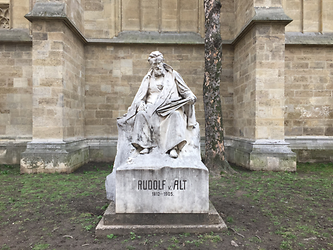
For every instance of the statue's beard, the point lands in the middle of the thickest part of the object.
(158, 72)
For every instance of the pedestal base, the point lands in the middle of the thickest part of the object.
(267, 155)
(156, 223)
(162, 185)
(54, 157)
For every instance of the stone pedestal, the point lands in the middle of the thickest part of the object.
(162, 188)
(159, 184)
(162, 195)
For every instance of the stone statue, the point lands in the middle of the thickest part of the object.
(161, 110)
(158, 172)
(160, 128)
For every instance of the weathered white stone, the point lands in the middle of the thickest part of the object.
(162, 185)
(158, 167)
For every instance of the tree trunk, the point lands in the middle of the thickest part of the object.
(214, 139)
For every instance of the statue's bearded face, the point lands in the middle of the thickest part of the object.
(157, 65)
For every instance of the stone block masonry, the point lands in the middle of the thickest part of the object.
(58, 95)
(309, 91)
(309, 105)
(258, 142)
(15, 100)
(114, 74)
(73, 69)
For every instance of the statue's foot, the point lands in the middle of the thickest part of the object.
(144, 151)
(173, 153)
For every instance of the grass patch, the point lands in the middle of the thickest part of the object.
(263, 210)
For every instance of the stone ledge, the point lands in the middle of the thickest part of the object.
(214, 223)
(54, 157)
(133, 37)
(54, 11)
(309, 38)
(102, 149)
(268, 155)
(15, 35)
(272, 14)
(310, 142)
(312, 148)
(263, 15)
(47, 9)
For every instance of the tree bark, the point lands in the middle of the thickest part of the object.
(215, 152)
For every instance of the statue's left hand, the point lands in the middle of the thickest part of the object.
(192, 99)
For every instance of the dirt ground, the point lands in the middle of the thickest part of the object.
(261, 210)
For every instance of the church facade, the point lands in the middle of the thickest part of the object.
(69, 68)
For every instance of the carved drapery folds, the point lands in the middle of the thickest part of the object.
(4, 16)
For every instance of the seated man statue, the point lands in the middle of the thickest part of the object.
(160, 127)
(161, 110)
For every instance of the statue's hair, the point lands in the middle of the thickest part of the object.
(155, 54)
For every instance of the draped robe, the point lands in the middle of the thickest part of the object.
(164, 121)
(167, 122)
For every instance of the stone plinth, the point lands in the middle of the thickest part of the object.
(162, 187)
(60, 157)
(268, 155)
(159, 223)
(160, 194)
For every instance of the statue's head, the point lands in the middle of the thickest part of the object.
(156, 61)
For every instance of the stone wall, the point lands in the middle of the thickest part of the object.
(48, 75)
(73, 10)
(244, 12)
(227, 19)
(244, 87)
(15, 99)
(16, 88)
(309, 91)
(105, 19)
(87, 66)
(258, 140)
(114, 74)
(74, 84)
(309, 16)
(18, 9)
(227, 90)
(161, 15)
(269, 99)
(101, 18)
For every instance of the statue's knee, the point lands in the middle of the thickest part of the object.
(176, 115)
(175, 112)
(140, 117)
